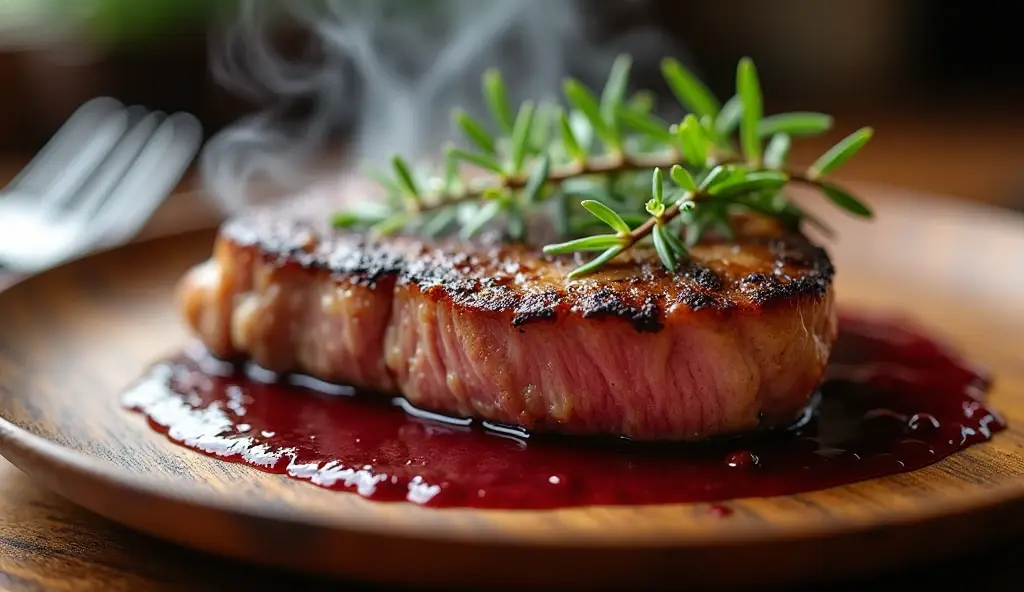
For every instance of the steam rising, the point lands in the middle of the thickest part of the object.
(385, 75)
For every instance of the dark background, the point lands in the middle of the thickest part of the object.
(939, 79)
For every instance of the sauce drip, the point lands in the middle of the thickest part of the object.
(894, 401)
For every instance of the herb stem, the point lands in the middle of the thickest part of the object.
(599, 165)
(675, 209)
(609, 165)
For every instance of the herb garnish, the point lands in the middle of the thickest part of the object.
(639, 176)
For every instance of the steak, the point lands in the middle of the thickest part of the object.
(735, 341)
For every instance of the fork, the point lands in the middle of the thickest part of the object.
(95, 183)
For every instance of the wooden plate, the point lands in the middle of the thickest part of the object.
(73, 337)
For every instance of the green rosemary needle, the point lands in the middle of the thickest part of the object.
(643, 178)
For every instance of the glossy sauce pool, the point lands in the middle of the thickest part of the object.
(894, 401)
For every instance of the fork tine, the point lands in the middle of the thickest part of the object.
(153, 176)
(109, 174)
(76, 173)
(62, 146)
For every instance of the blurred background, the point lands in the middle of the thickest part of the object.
(278, 85)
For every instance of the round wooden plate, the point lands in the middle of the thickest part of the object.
(72, 338)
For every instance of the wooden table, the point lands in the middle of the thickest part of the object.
(46, 543)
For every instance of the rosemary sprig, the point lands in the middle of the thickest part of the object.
(609, 153)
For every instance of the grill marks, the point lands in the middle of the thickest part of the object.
(763, 268)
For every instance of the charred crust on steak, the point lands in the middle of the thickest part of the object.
(765, 266)
(696, 300)
(300, 244)
(607, 302)
(702, 276)
(535, 307)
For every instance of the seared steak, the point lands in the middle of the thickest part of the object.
(736, 340)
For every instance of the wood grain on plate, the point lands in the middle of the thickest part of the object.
(75, 336)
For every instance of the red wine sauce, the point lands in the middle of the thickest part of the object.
(894, 401)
